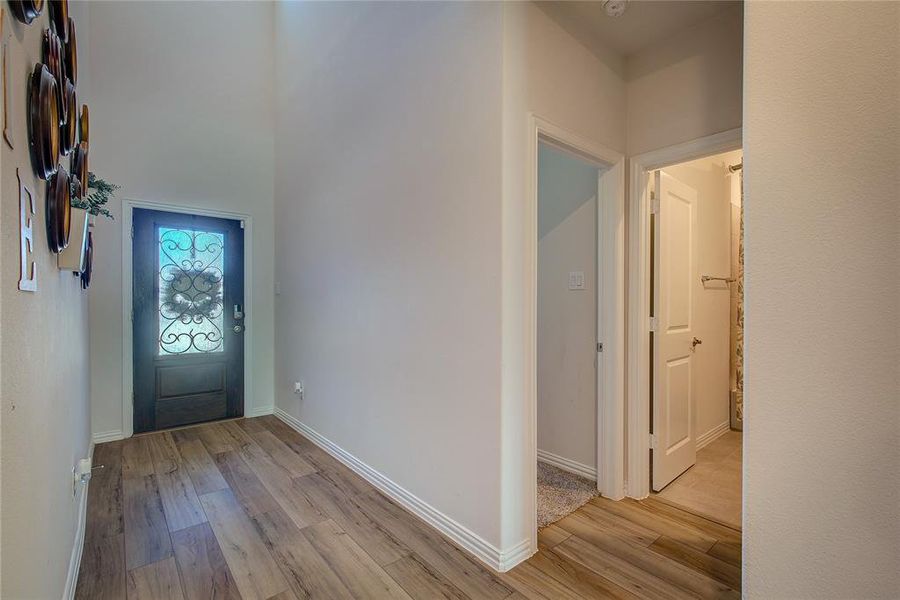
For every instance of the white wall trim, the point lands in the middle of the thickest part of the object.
(468, 540)
(128, 205)
(611, 302)
(713, 434)
(107, 436)
(638, 358)
(566, 464)
(78, 545)
(259, 411)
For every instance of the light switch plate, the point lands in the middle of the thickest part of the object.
(576, 280)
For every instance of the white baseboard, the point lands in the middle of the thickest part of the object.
(493, 557)
(713, 434)
(78, 545)
(258, 411)
(561, 462)
(107, 436)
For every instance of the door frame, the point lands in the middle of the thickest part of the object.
(610, 424)
(128, 206)
(638, 361)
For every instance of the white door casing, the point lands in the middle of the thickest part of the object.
(675, 260)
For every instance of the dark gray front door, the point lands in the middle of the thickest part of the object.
(188, 319)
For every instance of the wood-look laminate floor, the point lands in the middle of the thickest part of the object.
(251, 509)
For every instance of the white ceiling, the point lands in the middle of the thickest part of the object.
(644, 23)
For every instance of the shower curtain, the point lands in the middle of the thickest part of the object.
(737, 302)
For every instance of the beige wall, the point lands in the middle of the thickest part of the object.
(182, 114)
(44, 353)
(687, 86)
(712, 301)
(822, 170)
(387, 241)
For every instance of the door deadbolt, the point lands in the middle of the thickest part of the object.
(237, 329)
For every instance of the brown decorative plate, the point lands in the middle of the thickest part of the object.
(71, 54)
(68, 132)
(80, 165)
(84, 128)
(88, 262)
(59, 210)
(53, 58)
(59, 17)
(26, 10)
(43, 122)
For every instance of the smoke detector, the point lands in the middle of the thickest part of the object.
(614, 8)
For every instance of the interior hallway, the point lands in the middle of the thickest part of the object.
(251, 509)
(712, 487)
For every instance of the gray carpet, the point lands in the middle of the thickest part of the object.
(560, 493)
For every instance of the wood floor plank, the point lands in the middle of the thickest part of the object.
(180, 502)
(551, 535)
(247, 487)
(586, 523)
(420, 581)
(713, 567)
(254, 570)
(214, 439)
(204, 572)
(356, 569)
(577, 577)
(712, 528)
(445, 558)
(156, 581)
(533, 583)
(201, 468)
(328, 499)
(146, 532)
(307, 573)
(104, 504)
(251, 425)
(102, 572)
(730, 553)
(639, 561)
(283, 456)
(136, 460)
(639, 515)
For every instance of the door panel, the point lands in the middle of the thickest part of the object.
(673, 419)
(188, 320)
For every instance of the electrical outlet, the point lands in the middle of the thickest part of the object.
(298, 388)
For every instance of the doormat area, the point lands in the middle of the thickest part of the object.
(560, 493)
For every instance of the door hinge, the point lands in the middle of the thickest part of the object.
(599, 346)
(132, 315)
(242, 223)
(653, 441)
(132, 232)
(654, 323)
(654, 205)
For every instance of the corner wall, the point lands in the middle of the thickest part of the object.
(44, 353)
(182, 115)
(822, 367)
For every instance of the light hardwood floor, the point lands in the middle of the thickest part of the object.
(251, 509)
(712, 486)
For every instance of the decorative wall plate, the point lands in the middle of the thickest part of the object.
(59, 210)
(71, 54)
(84, 125)
(59, 17)
(53, 58)
(68, 132)
(43, 122)
(88, 262)
(26, 10)
(80, 165)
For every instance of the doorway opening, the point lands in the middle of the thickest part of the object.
(696, 335)
(187, 318)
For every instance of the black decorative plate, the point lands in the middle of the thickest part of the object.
(88, 262)
(80, 165)
(26, 10)
(71, 54)
(59, 17)
(43, 122)
(59, 210)
(53, 58)
(68, 131)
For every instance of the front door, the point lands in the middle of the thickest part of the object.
(675, 260)
(188, 319)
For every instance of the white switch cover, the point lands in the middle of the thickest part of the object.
(298, 388)
(576, 280)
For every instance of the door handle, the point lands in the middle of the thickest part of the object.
(238, 312)
(695, 342)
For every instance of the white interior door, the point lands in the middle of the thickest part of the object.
(675, 447)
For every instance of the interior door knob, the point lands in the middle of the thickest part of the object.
(695, 342)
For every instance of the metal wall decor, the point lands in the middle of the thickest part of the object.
(84, 127)
(68, 131)
(80, 164)
(7, 86)
(43, 122)
(26, 10)
(59, 210)
(59, 18)
(55, 61)
(27, 269)
(88, 262)
(71, 54)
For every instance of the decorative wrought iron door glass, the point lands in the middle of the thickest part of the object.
(191, 280)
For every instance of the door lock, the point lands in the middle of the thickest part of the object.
(238, 312)
(237, 329)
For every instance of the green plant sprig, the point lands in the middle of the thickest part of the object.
(98, 194)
